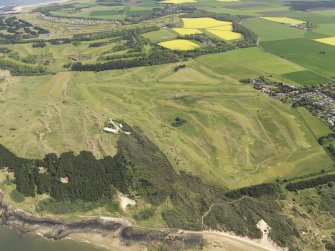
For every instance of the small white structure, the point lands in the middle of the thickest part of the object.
(112, 127)
(111, 130)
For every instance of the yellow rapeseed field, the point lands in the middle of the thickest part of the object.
(179, 1)
(228, 27)
(179, 44)
(183, 31)
(221, 29)
(202, 23)
(327, 40)
(225, 35)
(284, 20)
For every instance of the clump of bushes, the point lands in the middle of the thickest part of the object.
(17, 197)
(144, 214)
(178, 122)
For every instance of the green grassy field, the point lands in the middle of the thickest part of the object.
(326, 29)
(271, 31)
(314, 17)
(247, 8)
(306, 77)
(305, 52)
(161, 35)
(253, 62)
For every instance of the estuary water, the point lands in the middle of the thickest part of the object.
(11, 241)
(6, 3)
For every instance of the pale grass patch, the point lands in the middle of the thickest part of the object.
(284, 20)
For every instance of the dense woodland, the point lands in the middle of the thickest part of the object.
(309, 183)
(113, 34)
(156, 56)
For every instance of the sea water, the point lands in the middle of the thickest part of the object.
(6, 3)
(12, 241)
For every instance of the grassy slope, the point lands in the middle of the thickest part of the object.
(218, 110)
(65, 111)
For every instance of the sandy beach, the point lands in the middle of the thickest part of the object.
(216, 241)
(29, 8)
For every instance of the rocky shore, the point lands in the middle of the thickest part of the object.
(114, 233)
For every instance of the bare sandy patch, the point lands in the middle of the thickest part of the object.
(125, 201)
(244, 243)
(64, 180)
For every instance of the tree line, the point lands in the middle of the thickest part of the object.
(267, 189)
(326, 139)
(156, 56)
(114, 33)
(314, 182)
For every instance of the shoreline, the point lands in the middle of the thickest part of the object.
(120, 234)
(28, 8)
